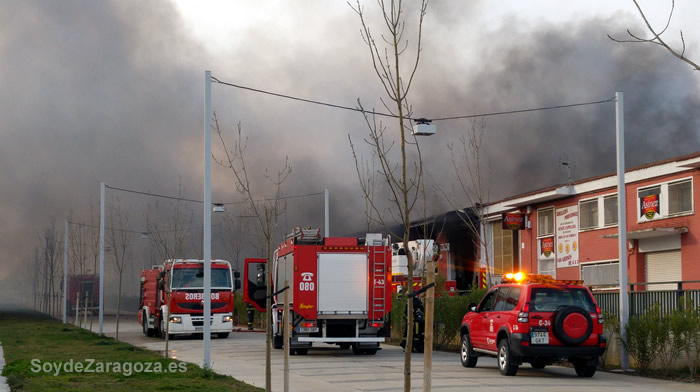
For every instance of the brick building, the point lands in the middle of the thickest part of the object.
(570, 231)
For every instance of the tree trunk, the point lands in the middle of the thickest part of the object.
(119, 304)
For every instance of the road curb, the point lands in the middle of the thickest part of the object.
(3, 381)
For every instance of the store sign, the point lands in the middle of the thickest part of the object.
(546, 248)
(513, 221)
(566, 222)
(649, 208)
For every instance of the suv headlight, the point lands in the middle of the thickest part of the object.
(227, 319)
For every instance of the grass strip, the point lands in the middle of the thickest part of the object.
(32, 341)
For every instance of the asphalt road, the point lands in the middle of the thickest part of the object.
(327, 368)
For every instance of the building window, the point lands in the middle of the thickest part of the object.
(680, 197)
(610, 210)
(505, 249)
(649, 192)
(545, 222)
(588, 214)
(607, 274)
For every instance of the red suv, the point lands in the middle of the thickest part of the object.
(534, 319)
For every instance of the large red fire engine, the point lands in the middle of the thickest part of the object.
(422, 251)
(339, 290)
(175, 290)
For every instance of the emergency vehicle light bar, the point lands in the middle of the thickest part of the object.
(343, 248)
(520, 277)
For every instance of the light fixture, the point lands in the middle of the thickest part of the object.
(218, 207)
(423, 127)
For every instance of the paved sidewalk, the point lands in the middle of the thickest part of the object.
(3, 382)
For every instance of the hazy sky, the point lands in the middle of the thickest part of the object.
(113, 91)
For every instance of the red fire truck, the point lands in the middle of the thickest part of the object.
(175, 290)
(339, 290)
(422, 251)
(87, 288)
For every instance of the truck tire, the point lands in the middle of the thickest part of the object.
(222, 335)
(507, 364)
(467, 355)
(585, 368)
(149, 332)
(277, 342)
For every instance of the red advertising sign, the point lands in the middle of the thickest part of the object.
(649, 206)
(547, 246)
(513, 221)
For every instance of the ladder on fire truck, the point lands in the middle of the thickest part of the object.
(379, 265)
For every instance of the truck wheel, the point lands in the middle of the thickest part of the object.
(277, 342)
(507, 365)
(356, 350)
(144, 324)
(222, 335)
(585, 368)
(468, 356)
(538, 363)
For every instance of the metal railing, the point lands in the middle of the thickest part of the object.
(641, 300)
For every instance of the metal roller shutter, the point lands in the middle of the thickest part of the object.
(664, 267)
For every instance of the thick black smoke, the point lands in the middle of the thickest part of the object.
(113, 91)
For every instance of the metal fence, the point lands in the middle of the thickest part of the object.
(641, 301)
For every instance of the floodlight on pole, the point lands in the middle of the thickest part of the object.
(622, 222)
(65, 269)
(206, 247)
(102, 255)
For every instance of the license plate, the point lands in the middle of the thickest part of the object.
(539, 337)
(198, 328)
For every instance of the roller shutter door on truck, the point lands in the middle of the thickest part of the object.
(664, 267)
(342, 283)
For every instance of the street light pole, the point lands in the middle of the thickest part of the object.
(621, 221)
(65, 269)
(102, 254)
(325, 199)
(207, 219)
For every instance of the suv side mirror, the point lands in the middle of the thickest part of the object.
(237, 284)
(471, 307)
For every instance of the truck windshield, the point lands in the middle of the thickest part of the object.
(193, 278)
(549, 299)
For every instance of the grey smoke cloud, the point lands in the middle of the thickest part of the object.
(112, 91)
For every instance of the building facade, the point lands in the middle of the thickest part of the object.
(570, 231)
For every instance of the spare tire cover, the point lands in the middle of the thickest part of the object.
(572, 325)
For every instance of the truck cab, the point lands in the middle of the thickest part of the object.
(174, 293)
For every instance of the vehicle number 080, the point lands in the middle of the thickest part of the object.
(306, 286)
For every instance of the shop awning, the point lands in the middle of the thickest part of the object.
(651, 232)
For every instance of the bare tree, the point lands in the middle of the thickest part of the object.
(472, 172)
(79, 248)
(233, 235)
(169, 239)
(51, 248)
(267, 212)
(656, 36)
(401, 174)
(120, 239)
